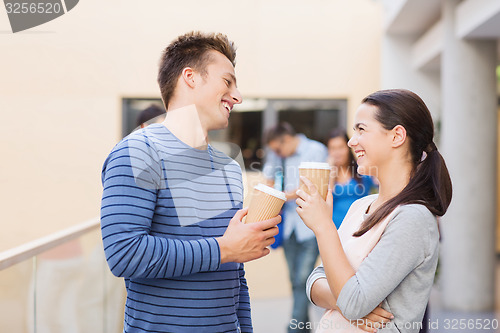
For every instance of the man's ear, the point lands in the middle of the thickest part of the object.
(188, 75)
(398, 136)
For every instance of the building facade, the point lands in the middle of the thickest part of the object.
(447, 51)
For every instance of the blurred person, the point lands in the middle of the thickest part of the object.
(287, 150)
(378, 269)
(172, 204)
(349, 185)
(150, 115)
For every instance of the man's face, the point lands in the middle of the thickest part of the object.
(282, 146)
(217, 92)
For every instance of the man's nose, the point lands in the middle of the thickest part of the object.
(236, 96)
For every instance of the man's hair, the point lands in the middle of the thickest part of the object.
(190, 50)
(149, 113)
(278, 131)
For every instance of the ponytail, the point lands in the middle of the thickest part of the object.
(440, 182)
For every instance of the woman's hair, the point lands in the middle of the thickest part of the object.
(430, 183)
(353, 166)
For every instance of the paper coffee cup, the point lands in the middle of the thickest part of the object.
(318, 173)
(266, 203)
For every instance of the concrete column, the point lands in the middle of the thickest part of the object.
(398, 72)
(468, 143)
(269, 116)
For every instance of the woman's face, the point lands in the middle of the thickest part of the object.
(371, 142)
(338, 152)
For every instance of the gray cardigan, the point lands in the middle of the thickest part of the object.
(399, 272)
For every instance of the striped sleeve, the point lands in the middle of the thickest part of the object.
(244, 313)
(127, 208)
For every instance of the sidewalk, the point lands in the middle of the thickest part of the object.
(270, 294)
(442, 320)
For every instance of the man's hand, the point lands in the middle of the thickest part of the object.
(245, 242)
(291, 195)
(375, 320)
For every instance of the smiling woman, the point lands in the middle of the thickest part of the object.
(394, 141)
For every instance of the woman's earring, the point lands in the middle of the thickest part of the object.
(424, 155)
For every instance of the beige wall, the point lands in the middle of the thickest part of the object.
(61, 85)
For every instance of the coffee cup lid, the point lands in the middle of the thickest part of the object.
(271, 191)
(315, 165)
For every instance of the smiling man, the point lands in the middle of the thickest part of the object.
(172, 204)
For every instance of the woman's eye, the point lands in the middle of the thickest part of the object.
(228, 83)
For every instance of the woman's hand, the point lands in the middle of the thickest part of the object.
(312, 209)
(375, 320)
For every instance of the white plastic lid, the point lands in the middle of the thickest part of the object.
(315, 165)
(271, 191)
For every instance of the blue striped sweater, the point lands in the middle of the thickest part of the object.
(163, 205)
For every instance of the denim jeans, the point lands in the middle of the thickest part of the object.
(300, 257)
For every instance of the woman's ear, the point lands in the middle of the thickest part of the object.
(188, 75)
(398, 136)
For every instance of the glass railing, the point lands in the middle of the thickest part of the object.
(60, 284)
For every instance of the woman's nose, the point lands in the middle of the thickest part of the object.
(352, 142)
